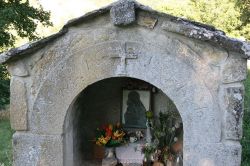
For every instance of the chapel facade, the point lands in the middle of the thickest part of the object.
(65, 85)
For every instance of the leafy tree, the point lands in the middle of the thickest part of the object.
(244, 6)
(4, 87)
(225, 15)
(18, 19)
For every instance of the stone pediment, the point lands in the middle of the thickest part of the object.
(124, 13)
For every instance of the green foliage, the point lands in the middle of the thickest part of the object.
(4, 87)
(246, 125)
(225, 15)
(167, 131)
(5, 143)
(244, 6)
(19, 19)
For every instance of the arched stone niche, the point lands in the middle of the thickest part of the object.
(169, 73)
(204, 82)
(98, 104)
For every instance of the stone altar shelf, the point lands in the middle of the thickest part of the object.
(130, 154)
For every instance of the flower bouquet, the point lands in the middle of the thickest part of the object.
(110, 135)
(166, 145)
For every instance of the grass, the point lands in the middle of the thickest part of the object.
(5, 143)
(245, 142)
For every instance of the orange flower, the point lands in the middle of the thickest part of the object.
(108, 133)
(118, 134)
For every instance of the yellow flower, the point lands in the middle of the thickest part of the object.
(103, 140)
(118, 134)
(98, 143)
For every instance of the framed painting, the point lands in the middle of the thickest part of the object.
(135, 103)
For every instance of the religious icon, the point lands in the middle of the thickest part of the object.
(135, 105)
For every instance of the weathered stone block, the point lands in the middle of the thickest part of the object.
(233, 106)
(123, 13)
(18, 105)
(147, 21)
(234, 70)
(18, 69)
(37, 150)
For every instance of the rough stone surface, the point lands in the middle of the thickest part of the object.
(233, 100)
(123, 13)
(18, 105)
(218, 154)
(37, 150)
(234, 69)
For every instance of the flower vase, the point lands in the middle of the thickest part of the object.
(148, 132)
(169, 163)
(158, 163)
(110, 158)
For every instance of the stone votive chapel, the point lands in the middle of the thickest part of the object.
(66, 85)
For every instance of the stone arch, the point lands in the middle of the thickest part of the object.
(183, 85)
(83, 117)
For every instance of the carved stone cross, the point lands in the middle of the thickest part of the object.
(124, 54)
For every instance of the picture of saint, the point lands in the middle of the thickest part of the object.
(135, 105)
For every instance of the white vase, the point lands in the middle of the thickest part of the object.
(110, 158)
(169, 163)
(148, 132)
